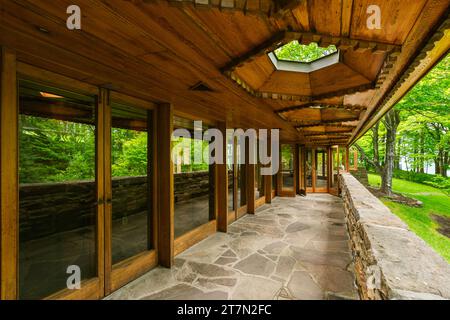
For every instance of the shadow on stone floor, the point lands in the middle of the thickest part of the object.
(291, 249)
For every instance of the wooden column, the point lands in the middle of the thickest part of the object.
(104, 187)
(251, 168)
(222, 185)
(280, 174)
(165, 185)
(268, 179)
(9, 175)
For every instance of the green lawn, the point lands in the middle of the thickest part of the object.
(418, 219)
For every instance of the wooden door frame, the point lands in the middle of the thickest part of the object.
(91, 288)
(119, 274)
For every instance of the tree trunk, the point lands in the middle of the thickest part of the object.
(391, 122)
(422, 152)
(398, 155)
(445, 164)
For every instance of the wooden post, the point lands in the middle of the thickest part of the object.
(165, 185)
(268, 179)
(104, 191)
(251, 168)
(9, 175)
(280, 174)
(222, 185)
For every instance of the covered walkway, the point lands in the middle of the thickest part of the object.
(291, 249)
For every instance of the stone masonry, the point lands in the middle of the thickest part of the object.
(391, 262)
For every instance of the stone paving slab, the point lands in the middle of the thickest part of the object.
(295, 248)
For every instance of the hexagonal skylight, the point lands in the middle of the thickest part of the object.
(296, 52)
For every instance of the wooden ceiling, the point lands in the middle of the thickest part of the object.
(160, 50)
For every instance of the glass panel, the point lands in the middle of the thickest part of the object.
(231, 176)
(321, 169)
(259, 183)
(194, 182)
(309, 168)
(131, 182)
(57, 201)
(287, 159)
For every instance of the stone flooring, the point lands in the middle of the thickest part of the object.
(292, 249)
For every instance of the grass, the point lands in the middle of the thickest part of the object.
(418, 219)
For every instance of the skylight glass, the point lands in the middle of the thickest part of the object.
(296, 52)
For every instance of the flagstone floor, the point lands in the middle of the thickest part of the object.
(291, 249)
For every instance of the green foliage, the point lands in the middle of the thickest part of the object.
(129, 153)
(419, 219)
(294, 51)
(436, 181)
(52, 150)
(55, 151)
(423, 136)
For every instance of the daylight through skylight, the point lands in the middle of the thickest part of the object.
(294, 51)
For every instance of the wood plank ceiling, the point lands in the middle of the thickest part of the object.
(162, 50)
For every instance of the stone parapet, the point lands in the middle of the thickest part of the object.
(391, 262)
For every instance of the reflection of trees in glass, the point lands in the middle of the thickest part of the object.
(53, 150)
(294, 51)
(184, 146)
(287, 157)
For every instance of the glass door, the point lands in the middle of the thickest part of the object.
(129, 218)
(321, 170)
(60, 194)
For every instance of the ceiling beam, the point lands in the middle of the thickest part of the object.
(330, 124)
(357, 108)
(330, 133)
(342, 43)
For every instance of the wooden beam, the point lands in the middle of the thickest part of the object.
(9, 185)
(263, 8)
(267, 46)
(332, 133)
(346, 11)
(336, 122)
(222, 185)
(166, 185)
(342, 43)
(319, 105)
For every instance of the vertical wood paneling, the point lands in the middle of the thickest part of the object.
(9, 175)
(166, 185)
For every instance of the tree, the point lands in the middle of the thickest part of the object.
(391, 122)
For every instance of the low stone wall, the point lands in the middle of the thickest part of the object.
(391, 262)
(361, 175)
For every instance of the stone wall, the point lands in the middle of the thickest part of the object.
(49, 208)
(361, 175)
(391, 262)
